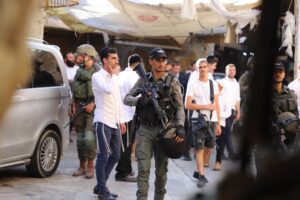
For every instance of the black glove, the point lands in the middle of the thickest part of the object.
(180, 131)
(143, 101)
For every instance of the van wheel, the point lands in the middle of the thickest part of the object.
(46, 157)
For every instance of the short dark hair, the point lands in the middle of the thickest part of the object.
(134, 58)
(104, 53)
(212, 59)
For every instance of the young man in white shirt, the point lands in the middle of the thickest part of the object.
(231, 91)
(128, 77)
(199, 91)
(212, 62)
(108, 120)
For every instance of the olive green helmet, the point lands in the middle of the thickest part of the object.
(288, 121)
(87, 49)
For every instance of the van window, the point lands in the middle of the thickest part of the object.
(45, 70)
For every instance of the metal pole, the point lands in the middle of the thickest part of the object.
(297, 41)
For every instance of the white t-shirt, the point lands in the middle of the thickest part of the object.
(295, 85)
(127, 78)
(231, 90)
(225, 109)
(195, 76)
(200, 92)
(71, 71)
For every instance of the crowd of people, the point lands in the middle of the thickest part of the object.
(119, 112)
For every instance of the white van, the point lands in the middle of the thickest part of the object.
(32, 131)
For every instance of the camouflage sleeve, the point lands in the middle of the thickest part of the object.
(131, 97)
(176, 95)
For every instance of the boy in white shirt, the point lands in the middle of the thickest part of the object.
(200, 91)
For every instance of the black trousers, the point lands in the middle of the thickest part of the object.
(227, 131)
(220, 145)
(124, 167)
(188, 136)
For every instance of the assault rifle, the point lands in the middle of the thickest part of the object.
(199, 124)
(151, 91)
(83, 106)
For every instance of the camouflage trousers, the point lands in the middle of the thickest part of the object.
(86, 139)
(146, 148)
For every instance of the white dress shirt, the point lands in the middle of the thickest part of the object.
(230, 90)
(108, 101)
(71, 71)
(295, 86)
(225, 110)
(127, 78)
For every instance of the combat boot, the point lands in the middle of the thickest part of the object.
(81, 170)
(90, 169)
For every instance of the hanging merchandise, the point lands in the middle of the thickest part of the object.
(188, 10)
(288, 31)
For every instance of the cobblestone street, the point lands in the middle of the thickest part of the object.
(16, 184)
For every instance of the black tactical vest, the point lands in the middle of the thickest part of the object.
(163, 89)
(285, 102)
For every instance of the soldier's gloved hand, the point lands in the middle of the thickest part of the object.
(143, 101)
(180, 133)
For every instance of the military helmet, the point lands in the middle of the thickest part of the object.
(170, 147)
(288, 121)
(87, 49)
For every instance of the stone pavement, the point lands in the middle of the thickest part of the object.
(15, 184)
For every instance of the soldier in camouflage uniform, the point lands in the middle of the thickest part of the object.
(284, 101)
(83, 107)
(170, 96)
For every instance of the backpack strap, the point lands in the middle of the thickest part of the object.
(169, 80)
(211, 88)
(148, 74)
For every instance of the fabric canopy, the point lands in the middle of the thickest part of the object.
(154, 18)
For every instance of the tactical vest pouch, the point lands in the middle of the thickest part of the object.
(291, 105)
(89, 89)
(80, 89)
(82, 86)
(146, 112)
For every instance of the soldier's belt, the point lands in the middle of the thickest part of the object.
(149, 123)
